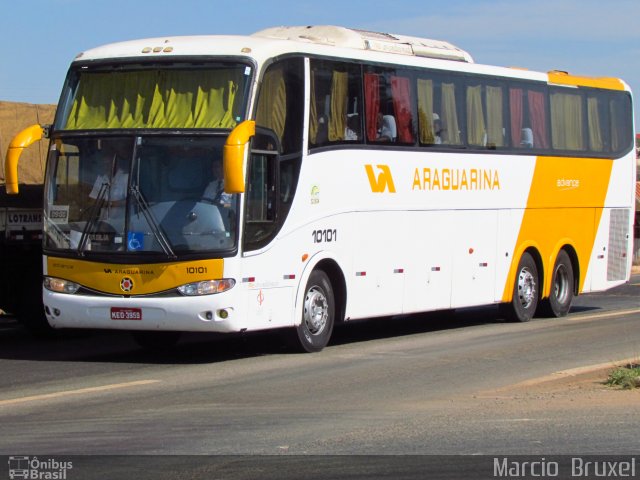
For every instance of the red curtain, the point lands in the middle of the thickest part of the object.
(401, 93)
(515, 104)
(372, 104)
(538, 119)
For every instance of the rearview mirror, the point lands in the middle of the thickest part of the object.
(233, 156)
(22, 140)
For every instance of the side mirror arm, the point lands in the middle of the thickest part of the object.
(22, 140)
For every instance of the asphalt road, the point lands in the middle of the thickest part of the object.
(403, 386)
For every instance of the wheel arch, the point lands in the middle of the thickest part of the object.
(329, 265)
(338, 283)
(567, 246)
(533, 250)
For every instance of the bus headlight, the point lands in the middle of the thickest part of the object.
(60, 286)
(207, 287)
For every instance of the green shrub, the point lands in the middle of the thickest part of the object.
(625, 377)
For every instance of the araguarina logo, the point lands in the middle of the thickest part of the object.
(384, 180)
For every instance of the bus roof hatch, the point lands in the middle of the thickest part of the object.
(365, 40)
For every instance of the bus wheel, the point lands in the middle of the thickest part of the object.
(525, 291)
(318, 313)
(561, 296)
(156, 341)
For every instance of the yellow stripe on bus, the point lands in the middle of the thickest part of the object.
(564, 208)
(142, 279)
(562, 78)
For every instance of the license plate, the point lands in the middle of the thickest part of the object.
(118, 313)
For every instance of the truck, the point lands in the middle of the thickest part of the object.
(21, 222)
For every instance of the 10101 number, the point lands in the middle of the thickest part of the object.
(327, 235)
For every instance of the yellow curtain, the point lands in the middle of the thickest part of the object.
(313, 112)
(450, 115)
(566, 121)
(272, 104)
(338, 115)
(425, 110)
(475, 117)
(595, 128)
(155, 99)
(495, 121)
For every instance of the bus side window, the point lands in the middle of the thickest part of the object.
(439, 111)
(449, 112)
(567, 121)
(485, 115)
(261, 200)
(389, 106)
(528, 114)
(280, 105)
(335, 113)
(279, 121)
(620, 111)
(596, 122)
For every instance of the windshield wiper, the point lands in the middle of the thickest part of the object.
(93, 216)
(155, 227)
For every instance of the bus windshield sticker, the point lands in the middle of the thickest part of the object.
(59, 214)
(135, 241)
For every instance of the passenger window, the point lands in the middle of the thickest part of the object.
(485, 114)
(336, 107)
(597, 123)
(279, 105)
(389, 106)
(528, 112)
(620, 128)
(438, 108)
(449, 115)
(428, 120)
(261, 199)
(567, 120)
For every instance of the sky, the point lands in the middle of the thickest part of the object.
(40, 38)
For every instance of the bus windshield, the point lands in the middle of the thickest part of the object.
(134, 194)
(157, 97)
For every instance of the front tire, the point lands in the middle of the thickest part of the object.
(525, 291)
(318, 314)
(562, 284)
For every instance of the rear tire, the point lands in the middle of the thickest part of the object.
(562, 282)
(318, 315)
(525, 291)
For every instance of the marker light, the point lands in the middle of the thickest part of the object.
(60, 286)
(207, 287)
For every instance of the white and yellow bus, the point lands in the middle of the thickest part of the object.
(304, 176)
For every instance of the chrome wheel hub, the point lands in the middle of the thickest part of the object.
(316, 311)
(526, 288)
(561, 284)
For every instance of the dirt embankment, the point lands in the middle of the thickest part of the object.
(581, 387)
(13, 118)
